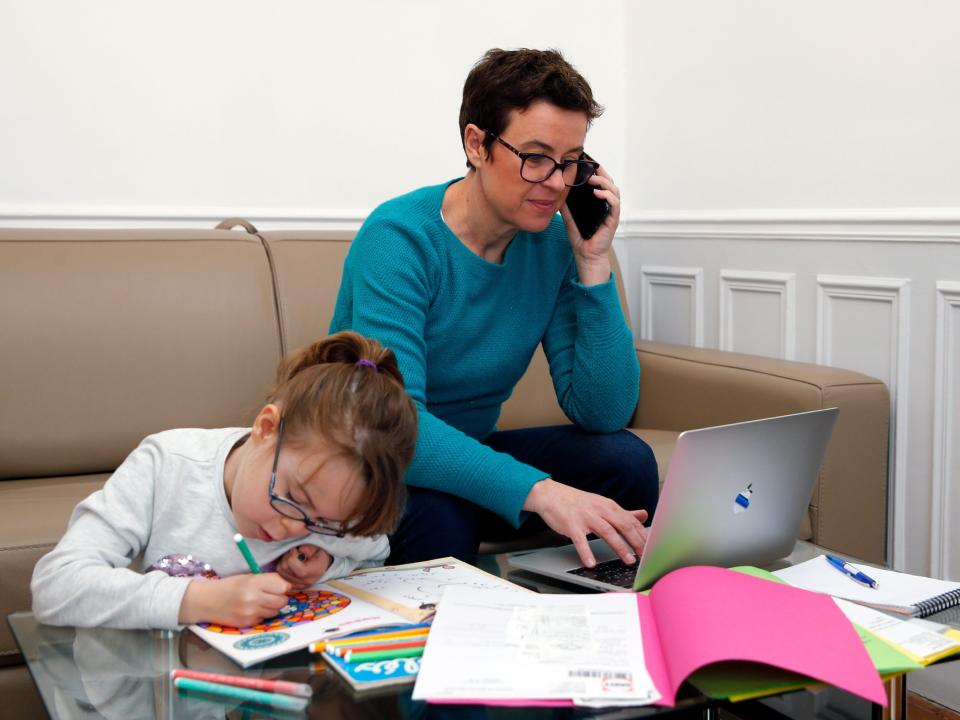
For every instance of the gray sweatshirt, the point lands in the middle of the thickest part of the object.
(166, 498)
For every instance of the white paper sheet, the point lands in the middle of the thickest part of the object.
(897, 591)
(501, 645)
(909, 635)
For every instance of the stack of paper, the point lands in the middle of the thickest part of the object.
(535, 647)
(921, 641)
(621, 648)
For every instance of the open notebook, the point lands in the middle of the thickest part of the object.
(896, 591)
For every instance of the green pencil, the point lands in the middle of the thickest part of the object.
(273, 700)
(354, 656)
(245, 551)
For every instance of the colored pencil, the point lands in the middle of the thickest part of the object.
(245, 551)
(284, 687)
(338, 648)
(378, 640)
(412, 631)
(352, 656)
(377, 647)
(267, 699)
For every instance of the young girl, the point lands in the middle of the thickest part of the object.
(313, 486)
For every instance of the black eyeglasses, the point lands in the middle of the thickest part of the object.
(288, 508)
(537, 167)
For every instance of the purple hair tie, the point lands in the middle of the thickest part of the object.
(363, 362)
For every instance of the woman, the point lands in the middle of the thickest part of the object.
(462, 281)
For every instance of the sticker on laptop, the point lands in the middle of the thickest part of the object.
(742, 501)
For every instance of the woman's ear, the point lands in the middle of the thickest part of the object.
(267, 423)
(473, 146)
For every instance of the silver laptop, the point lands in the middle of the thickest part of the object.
(733, 495)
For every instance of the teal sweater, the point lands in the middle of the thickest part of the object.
(464, 331)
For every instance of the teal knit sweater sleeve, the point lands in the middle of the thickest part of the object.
(593, 361)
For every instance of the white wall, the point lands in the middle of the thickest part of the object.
(290, 110)
(747, 104)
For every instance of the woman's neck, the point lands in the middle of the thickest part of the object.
(472, 219)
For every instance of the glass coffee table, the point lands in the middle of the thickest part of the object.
(104, 673)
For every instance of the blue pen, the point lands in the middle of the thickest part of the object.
(852, 572)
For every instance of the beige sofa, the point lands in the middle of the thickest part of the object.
(109, 335)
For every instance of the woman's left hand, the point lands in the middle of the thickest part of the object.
(303, 565)
(592, 256)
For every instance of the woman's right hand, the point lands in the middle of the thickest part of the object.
(577, 513)
(238, 601)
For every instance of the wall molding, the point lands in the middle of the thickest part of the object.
(776, 283)
(129, 216)
(933, 225)
(928, 225)
(896, 293)
(689, 277)
(945, 400)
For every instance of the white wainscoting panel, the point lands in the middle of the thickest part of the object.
(671, 304)
(758, 313)
(863, 324)
(944, 534)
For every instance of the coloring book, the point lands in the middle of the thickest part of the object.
(412, 591)
(369, 598)
(320, 613)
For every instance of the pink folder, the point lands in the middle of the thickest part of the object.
(701, 615)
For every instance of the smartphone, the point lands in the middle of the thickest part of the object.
(587, 210)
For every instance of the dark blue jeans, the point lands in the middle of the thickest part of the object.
(618, 465)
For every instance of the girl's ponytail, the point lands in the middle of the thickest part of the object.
(345, 347)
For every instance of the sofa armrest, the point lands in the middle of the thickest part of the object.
(682, 388)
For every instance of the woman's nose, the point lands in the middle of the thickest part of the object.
(555, 181)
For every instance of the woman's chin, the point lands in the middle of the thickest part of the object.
(536, 224)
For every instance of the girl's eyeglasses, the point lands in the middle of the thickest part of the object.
(288, 508)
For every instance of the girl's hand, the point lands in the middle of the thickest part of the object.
(304, 565)
(592, 256)
(238, 601)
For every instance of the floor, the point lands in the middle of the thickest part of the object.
(919, 708)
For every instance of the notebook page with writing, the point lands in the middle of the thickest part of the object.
(898, 592)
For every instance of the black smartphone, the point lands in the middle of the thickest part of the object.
(588, 211)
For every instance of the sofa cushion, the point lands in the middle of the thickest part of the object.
(127, 332)
(307, 266)
(33, 516)
(20, 694)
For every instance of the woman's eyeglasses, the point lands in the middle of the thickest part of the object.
(537, 167)
(288, 508)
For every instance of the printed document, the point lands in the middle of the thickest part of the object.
(502, 645)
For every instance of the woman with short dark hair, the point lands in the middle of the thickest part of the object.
(463, 281)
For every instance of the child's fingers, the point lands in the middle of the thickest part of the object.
(274, 584)
(306, 553)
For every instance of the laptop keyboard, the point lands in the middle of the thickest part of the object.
(613, 572)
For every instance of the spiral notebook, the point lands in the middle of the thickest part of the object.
(898, 592)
